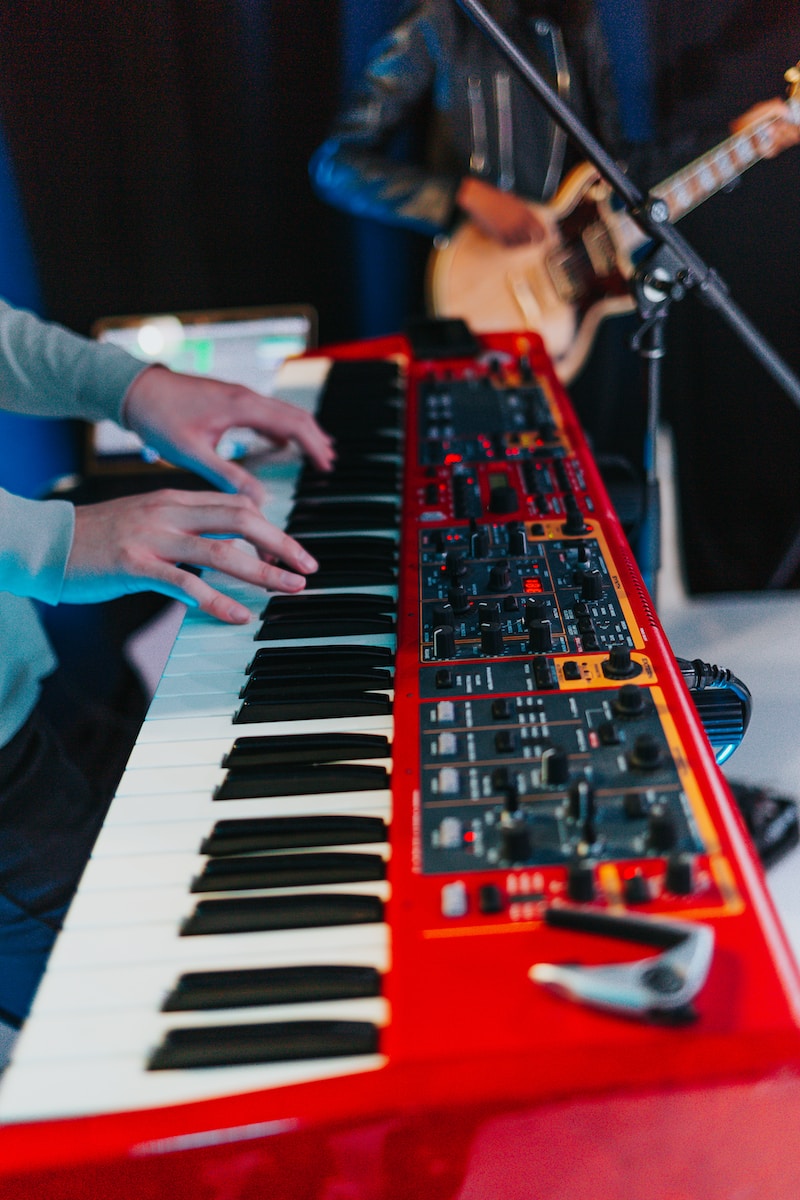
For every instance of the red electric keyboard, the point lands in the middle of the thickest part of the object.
(432, 888)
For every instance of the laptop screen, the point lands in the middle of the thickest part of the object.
(246, 346)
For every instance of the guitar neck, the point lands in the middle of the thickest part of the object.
(718, 168)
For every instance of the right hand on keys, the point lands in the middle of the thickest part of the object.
(137, 544)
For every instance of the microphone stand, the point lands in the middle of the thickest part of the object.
(671, 267)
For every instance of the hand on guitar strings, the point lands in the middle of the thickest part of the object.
(502, 216)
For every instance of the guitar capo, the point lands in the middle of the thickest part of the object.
(658, 989)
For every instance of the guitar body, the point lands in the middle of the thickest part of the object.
(561, 287)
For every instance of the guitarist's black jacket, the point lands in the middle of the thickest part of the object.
(437, 77)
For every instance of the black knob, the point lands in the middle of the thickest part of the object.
(637, 889)
(661, 832)
(554, 767)
(454, 564)
(488, 610)
(574, 524)
(535, 608)
(492, 638)
(517, 538)
(503, 499)
(592, 585)
(619, 664)
(443, 613)
(459, 598)
(679, 877)
(478, 540)
(540, 637)
(580, 882)
(505, 742)
(499, 576)
(634, 805)
(515, 841)
(629, 701)
(646, 753)
(444, 642)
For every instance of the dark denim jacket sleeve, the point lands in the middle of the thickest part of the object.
(354, 169)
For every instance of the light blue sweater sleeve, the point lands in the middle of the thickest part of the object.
(47, 371)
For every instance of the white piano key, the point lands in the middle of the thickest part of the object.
(155, 870)
(210, 752)
(157, 904)
(220, 725)
(83, 1038)
(146, 985)
(170, 837)
(158, 943)
(119, 1084)
(120, 951)
(208, 704)
(140, 809)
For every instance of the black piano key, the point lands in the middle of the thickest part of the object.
(305, 748)
(288, 870)
(328, 518)
(284, 1041)
(245, 835)
(249, 987)
(252, 914)
(381, 479)
(249, 783)
(339, 602)
(369, 546)
(308, 684)
(359, 625)
(352, 574)
(298, 658)
(370, 704)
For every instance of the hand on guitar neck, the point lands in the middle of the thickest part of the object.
(777, 118)
(501, 216)
(560, 268)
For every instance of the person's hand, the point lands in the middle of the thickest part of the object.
(137, 543)
(502, 216)
(183, 417)
(779, 127)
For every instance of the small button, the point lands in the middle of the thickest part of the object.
(455, 901)
(490, 899)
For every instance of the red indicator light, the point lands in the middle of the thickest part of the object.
(532, 587)
(469, 836)
(449, 459)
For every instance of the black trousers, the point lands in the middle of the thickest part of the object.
(57, 777)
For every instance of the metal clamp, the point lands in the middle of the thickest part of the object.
(659, 988)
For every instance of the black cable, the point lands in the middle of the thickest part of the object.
(724, 704)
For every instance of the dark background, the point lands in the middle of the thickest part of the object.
(156, 153)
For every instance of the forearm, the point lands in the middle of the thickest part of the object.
(46, 370)
(35, 541)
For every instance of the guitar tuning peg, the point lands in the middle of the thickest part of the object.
(792, 76)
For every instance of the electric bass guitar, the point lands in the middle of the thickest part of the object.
(564, 285)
